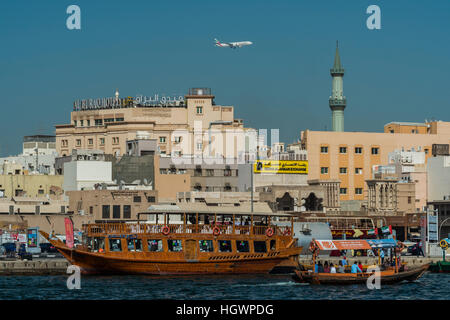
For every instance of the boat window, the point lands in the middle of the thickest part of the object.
(175, 245)
(134, 244)
(155, 245)
(89, 242)
(273, 244)
(115, 245)
(242, 246)
(206, 246)
(260, 246)
(224, 245)
(98, 244)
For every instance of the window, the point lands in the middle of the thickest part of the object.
(91, 141)
(200, 146)
(105, 211)
(162, 139)
(224, 246)
(358, 191)
(102, 141)
(343, 190)
(358, 170)
(199, 110)
(78, 142)
(260, 246)
(409, 199)
(358, 150)
(210, 172)
(88, 123)
(375, 150)
(134, 245)
(342, 170)
(426, 151)
(98, 244)
(41, 191)
(198, 172)
(116, 212)
(174, 245)
(342, 149)
(227, 173)
(177, 139)
(75, 123)
(136, 199)
(206, 245)
(115, 140)
(126, 211)
(155, 245)
(323, 149)
(273, 244)
(98, 122)
(120, 119)
(151, 199)
(242, 246)
(115, 245)
(109, 120)
(324, 170)
(81, 123)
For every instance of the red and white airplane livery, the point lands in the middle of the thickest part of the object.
(233, 45)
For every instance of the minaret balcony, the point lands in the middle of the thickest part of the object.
(338, 102)
(337, 71)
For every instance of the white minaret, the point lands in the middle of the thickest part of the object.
(337, 100)
(117, 94)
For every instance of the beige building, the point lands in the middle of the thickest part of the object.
(350, 156)
(390, 196)
(111, 205)
(185, 128)
(30, 185)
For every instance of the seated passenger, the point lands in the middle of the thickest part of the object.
(341, 268)
(332, 268)
(360, 266)
(320, 267)
(326, 267)
(355, 268)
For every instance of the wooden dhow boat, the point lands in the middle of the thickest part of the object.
(394, 274)
(185, 243)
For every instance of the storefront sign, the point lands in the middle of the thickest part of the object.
(281, 166)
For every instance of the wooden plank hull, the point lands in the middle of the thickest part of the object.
(389, 276)
(100, 263)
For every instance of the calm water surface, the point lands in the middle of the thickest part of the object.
(430, 286)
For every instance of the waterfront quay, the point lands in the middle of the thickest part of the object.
(58, 266)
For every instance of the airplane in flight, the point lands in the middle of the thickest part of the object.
(233, 45)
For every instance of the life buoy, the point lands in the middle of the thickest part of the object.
(216, 231)
(443, 244)
(269, 232)
(165, 230)
(287, 232)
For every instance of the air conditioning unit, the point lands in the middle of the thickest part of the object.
(81, 212)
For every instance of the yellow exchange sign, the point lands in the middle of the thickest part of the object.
(280, 166)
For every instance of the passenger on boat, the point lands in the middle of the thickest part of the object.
(355, 268)
(326, 267)
(382, 255)
(360, 265)
(332, 268)
(341, 268)
(319, 267)
(344, 261)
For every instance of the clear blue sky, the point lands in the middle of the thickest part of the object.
(398, 73)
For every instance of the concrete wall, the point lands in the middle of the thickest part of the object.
(85, 174)
(30, 184)
(438, 177)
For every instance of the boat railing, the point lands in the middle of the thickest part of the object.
(144, 228)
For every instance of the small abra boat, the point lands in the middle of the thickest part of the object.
(185, 243)
(441, 266)
(389, 275)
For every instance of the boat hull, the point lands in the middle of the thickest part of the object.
(101, 263)
(386, 277)
(440, 267)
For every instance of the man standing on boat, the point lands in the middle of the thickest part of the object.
(355, 268)
(382, 256)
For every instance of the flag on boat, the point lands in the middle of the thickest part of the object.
(386, 229)
(69, 232)
(372, 232)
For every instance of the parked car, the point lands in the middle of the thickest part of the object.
(47, 247)
(10, 250)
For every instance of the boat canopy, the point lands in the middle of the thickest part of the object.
(382, 243)
(342, 244)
